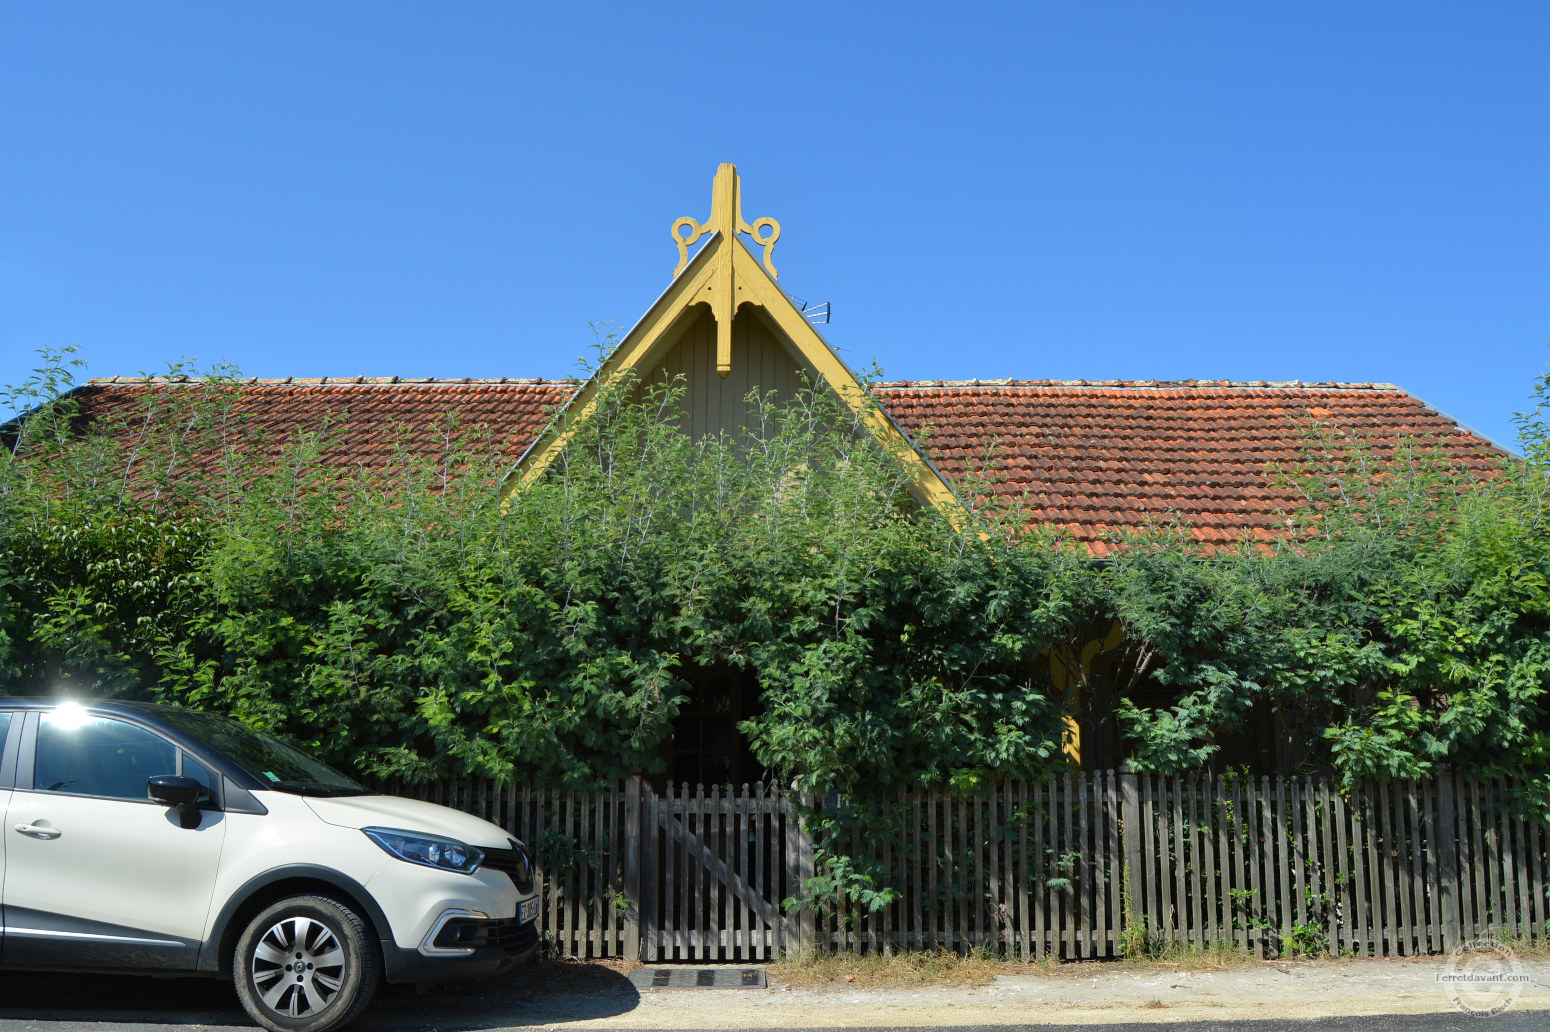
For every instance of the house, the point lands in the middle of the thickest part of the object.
(1092, 458)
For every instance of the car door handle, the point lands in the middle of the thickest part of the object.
(42, 831)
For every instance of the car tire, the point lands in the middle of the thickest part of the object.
(305, 964)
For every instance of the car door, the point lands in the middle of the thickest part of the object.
(97, 874)
(8, 747)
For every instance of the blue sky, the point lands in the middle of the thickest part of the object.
(1348, 191)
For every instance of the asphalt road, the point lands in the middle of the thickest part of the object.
(77, 1003)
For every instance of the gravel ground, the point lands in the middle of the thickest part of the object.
(586, 996)
(1076, 995)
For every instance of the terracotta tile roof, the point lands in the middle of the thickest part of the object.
(1096, 457)
(371, 415)
(1091, 456)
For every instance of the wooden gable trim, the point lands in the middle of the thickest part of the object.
(725, 277)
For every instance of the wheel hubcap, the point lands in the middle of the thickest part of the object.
(298, 967)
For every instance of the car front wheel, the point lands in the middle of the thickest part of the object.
(305, 964)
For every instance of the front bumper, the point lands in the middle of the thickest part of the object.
(486, 947)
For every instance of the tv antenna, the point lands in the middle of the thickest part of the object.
(812, 313)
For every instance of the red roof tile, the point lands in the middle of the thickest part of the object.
(1093, 457)
(369, 418)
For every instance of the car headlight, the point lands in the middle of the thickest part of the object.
(440, 853)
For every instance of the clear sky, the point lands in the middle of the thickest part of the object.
(1247, 190)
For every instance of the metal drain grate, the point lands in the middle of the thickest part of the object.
(698, 978)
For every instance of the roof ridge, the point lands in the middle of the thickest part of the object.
(389, 381)
(1140, 384)
(343, 381)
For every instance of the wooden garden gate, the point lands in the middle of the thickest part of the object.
(715, 869)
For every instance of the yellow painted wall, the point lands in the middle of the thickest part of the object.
(759, 359)
(1069, 684)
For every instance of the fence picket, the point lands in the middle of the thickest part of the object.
(977, 847)
(1379, 908)
(1130, 816)
(934, 844)
(1113, 864)
(1081, 860)
(1036, 886)
(962, 866)
(1393, 868)
(1328, 874)
(1068, 861)
(1479, 850)
(1299, 852)
(1510, 863)
(997, 873)
(1282, 864)
(1415, 884)
(1236, 872)
(1537, 923)
(1221, 865)
(1196, 893)
(1521, 866)
(1392, 919)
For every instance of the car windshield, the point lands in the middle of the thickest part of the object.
(277, 765)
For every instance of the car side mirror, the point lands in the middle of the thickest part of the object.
(172, 789)
(178, 792)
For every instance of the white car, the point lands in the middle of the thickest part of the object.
(155, 839)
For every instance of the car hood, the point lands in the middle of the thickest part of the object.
(383, 811)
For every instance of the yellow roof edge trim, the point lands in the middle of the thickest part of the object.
(724, 276)
(649, 334)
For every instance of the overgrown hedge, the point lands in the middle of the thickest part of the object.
(407, 624)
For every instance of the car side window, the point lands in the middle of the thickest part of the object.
(192, 768)
(98, 756)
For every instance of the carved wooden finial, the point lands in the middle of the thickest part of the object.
(726, 217)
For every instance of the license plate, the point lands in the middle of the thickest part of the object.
(527, 911)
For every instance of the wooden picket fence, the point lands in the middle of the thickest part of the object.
(1084, 865)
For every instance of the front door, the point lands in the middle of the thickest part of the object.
(96, 873)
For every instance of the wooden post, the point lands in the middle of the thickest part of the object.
(632, 884)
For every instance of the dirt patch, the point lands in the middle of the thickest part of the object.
(1078, 994)
(902, 970)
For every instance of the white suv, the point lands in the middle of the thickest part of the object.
(164, 840)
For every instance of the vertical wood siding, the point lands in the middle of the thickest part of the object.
(713, 403)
